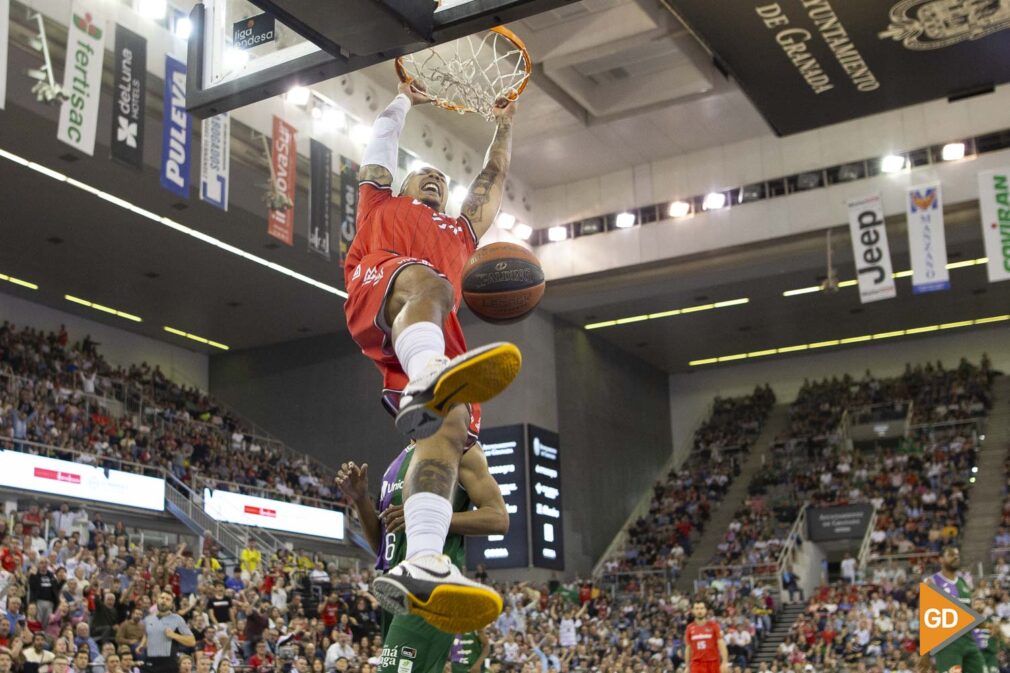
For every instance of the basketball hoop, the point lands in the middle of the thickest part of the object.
(471, 73)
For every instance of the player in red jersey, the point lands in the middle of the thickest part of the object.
(704, 648)
(403, 276)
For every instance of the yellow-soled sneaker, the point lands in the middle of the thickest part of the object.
(434, 589)
(476, 376)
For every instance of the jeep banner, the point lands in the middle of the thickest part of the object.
(215, 138)
(927, 243)
(870, 251)
(284, 162)
(5, 26)
(82, 77)
(811, 63)
(129, 91)
(320, 197)
(994, 202)
(848, 522)
(177, 131)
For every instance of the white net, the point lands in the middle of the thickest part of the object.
(470, 74)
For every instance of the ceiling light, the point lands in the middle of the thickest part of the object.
(361, 133)
(102, 308)
(625, 220)
(333, 118)
(170, 223)
(197, 338)
(953, 151)
(317, 112)
(458, 194)
(505, 220)
(183, 28)
(234, 59)
(416, 165)
(680, 209)
(669, 313)
(802, 290)
(892, 163)
(897, 274)
(153, 9)
(523, 231)
(18, 281)
(558, 233)
(298, 95)
(713, 201)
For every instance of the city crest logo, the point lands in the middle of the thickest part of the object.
(922, 25)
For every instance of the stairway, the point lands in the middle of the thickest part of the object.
(715, 528)
(184, 504)
(986, 495)
(784, 621)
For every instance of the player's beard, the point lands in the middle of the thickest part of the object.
(432, 202)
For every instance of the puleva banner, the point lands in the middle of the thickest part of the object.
(281, 223)
(320, 198)
(870, 251)
(215, 141)
(5, 27)
(994, 202)
(927, 243)
(82, 77)
(177, 131)
(129, 95)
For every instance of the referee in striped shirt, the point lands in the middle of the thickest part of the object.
(161, 634)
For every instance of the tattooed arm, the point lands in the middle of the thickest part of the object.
(484, 198)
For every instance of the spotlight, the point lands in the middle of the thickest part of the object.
(317, 113)
(153, 9)
(953, 151)
(183, 28)
(234, 58)
(458, 193)
(298, 95)
(680, 209)
(361, 133)
(714, 201)
(333, 119)
(523, 231)
(416, 165)
(625, 220)
(892, 163)
(558, 233)
(505, 220)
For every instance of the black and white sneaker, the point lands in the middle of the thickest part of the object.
(434, 589)
(476, 376)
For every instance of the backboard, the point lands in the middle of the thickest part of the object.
(241, 52)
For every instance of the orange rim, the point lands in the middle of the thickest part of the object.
(500, 30)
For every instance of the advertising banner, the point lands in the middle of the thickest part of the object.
(838, 523)
(129, 83)
(249, 510)
(215, 139)
(994, 203)
(284, 157)
(547, 539)
(82, 77)
(927, 243)
(870, 251)
(177, 131)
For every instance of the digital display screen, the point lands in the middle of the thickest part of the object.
(505, 449)
(547, 538)
(250, 510)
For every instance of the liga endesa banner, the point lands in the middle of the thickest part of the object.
(870, 251)
(927, 243)
(994, 202)
(320, 198)
(249, 510)
(5, 26)
(281, 223)
(82, 77)
(81, 482)
(214, 160)
(129, 93)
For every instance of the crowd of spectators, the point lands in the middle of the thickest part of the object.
(734, 424)
(58, 393)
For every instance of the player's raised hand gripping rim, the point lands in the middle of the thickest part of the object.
(503, 108)
(414, 91)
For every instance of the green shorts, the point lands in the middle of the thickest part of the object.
(961, 656)
(991, 662)
(412, 645)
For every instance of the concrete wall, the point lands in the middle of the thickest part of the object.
(118, 346)
(692, 393)
(613, 416)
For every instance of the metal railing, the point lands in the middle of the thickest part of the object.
(629, 582)
(864, 548)
(792, 539)
(186, 501)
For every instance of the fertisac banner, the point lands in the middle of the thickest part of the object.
(82, 77)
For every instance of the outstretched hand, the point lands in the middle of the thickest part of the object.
(414, 91)
(504, 108)
(352, 481)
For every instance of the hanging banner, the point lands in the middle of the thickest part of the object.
(129, 94)
(320, 198)
(870, 250)
(349, 201)
(994, 202)
(177, 131)
(284, 157)
(82, 77)
(5, 26)
(927, 244)
(215, 137)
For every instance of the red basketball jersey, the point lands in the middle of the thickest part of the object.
(703, 639)
(406, 227)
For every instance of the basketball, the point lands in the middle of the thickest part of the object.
(503, 283)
